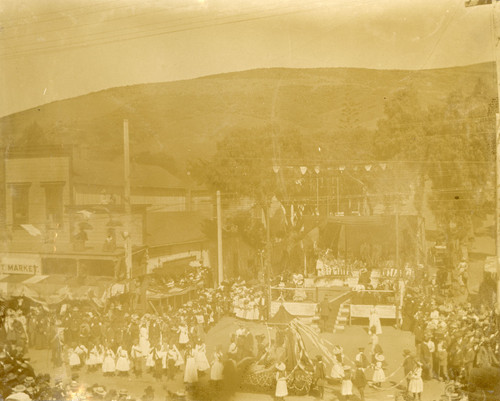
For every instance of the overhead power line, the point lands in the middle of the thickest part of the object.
(208, 22)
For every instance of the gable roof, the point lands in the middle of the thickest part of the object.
(107, 173)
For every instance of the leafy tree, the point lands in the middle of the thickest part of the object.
(452, 145)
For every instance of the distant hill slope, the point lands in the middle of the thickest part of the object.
(186, 118)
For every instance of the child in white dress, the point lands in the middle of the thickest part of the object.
(73, 359)
(93, 359)
(217, 370)
(378, 372)
(200, 355)
(346, 389)
(122, 362)
(281, 385)
(190, 370)
(108, 365)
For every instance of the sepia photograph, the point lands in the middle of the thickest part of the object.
(249, 200)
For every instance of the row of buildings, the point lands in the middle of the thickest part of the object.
(63, 218)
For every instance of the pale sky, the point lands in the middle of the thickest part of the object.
(56, 49)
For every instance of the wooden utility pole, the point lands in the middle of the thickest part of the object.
(268, 260)
(398, 265)
(126, 201)
(497, 144)
(338, 197)
(220, 262)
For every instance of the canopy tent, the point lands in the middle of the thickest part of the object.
(281, 318)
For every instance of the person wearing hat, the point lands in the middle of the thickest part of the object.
(359, 380)
(324, 313)
(409, 364)
(99, 392)
(319, 376)
(149, 394)
(18, 394)
(217, 368)
(442, 360)
(361, 357)
(378, 372)
(190, 369)
(346, 389)
(281, 385)
(416, 385)
(122, 395)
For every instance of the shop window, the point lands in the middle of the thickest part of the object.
(96, 267)
(20, 204)
(59, 266)
(54, 202)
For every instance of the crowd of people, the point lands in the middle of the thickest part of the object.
(116, 341)
(329, 265)
(450, 341)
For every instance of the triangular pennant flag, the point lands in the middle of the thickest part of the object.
(303, 170)
(383, 166)
(276, 169)
(368, 167)
(316, 169)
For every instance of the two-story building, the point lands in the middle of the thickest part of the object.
(64, 218)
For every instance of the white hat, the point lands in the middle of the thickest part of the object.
(19, 388)
(380, 357)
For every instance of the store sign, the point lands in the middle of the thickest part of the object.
(383, 311)
(20, 265)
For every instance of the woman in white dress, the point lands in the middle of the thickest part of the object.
(122, 362)
(101, 351)
(151, 358)
(180, 359)
(200, 355)
(241, 308)
(82, 352)
(346, 389)
(93, 359)
(337, 372)
(416, 385)
(378, 371)
(233, 348)
(144, 339)
(73, 359)
(108, 365)
(236, 304)
(375, 321)
(183, 332)
(249, 310)
(281, 386)
(190, 370)
(217, 370)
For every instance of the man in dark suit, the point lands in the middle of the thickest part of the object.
(324, 313)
